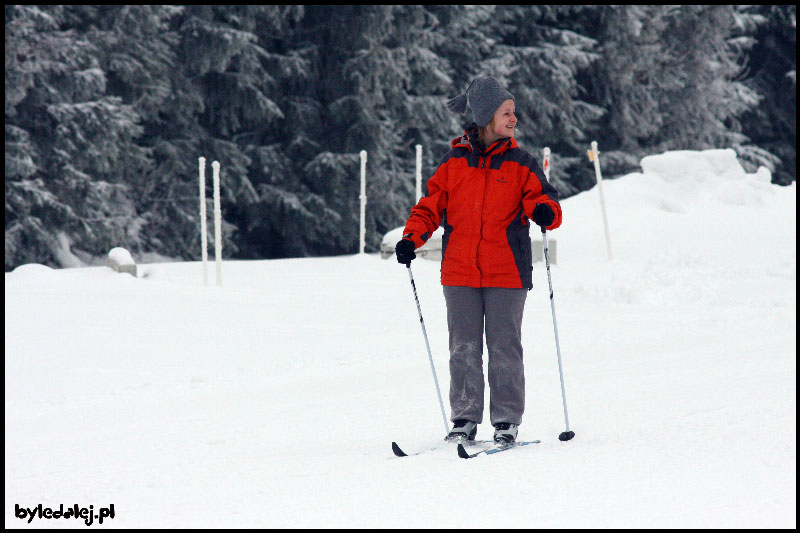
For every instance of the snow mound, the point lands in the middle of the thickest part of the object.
(706, 165)
(121, 256)
(677, 182)
(30, 273)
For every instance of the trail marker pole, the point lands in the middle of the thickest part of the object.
(546, 163)
(419, 172)
(362, 233)
(203, 222)
(594, 155)
(217, 224)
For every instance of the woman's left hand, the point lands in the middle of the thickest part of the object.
(543, 215)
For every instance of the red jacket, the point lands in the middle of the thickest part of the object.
(484, 201)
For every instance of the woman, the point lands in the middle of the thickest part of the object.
(483, 193)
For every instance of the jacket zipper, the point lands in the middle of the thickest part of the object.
(481, 165)
(483, 161)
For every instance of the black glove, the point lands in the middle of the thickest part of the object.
(405, 251)
(543, 216)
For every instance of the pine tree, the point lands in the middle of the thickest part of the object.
(541, 60)
(771, 66)
(354, 78)
(399, 90)
(291, 213)
(701, 99)
(669, 77)
(66, 140)
(109, 107)
(464, 39)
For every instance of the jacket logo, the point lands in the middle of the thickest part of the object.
(502, 179)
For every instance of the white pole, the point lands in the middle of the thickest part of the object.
(217, 224)
(594, 155)
(419, 171)
(546, 163)
(203, 228)
(362, 234)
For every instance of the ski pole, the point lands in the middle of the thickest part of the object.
(566, 435)
(427, 344)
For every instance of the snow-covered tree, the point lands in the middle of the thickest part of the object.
(771, 67)
(67, 142)
(669, 77)
(109, 107)
(541, 59)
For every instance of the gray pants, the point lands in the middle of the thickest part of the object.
(501, 309)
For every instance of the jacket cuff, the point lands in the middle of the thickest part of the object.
(418, 240)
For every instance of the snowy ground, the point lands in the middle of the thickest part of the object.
(273, 400)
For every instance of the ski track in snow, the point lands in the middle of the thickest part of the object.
(273, 401)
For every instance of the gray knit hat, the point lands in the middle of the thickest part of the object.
(484, 96)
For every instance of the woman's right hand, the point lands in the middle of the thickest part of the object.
(404, 249)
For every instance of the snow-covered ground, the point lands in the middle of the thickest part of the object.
(272, 401)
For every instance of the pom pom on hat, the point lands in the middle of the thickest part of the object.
(458, 104)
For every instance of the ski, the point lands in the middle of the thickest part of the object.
(400, 453)
(464, 454)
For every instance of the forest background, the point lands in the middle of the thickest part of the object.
(109, 107)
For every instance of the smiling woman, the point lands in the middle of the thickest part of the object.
(492, 107)
(502, 125)
(483, 193)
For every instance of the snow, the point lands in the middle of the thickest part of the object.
(121, 256)
(273, 401)
(64, 253)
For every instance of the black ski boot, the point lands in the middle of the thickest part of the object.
(463, 430)
(505, 433)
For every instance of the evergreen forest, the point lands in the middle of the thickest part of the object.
(109, 107)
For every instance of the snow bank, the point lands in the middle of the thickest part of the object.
(687, 165)
(31, 274)
(709, 174)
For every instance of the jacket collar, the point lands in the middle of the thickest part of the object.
(470, 141)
